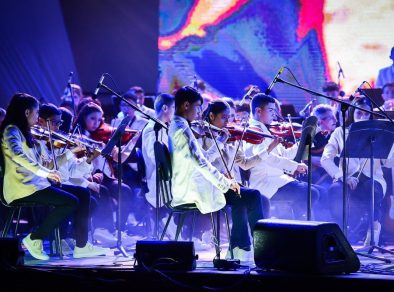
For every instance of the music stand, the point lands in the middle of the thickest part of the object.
(116, 139)
(304, 153)
(363, 136)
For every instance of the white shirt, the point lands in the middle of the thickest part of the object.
(272, 173)
(148, 141)
(194, 178)
(385, 75)
(334, 149)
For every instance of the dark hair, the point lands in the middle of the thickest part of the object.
(390, 84)
(261, 100)
(358, 101)
(86, 110)
(67, 118)
(215, 107)
(137, 89)
(322, 109)
(48, 110)
(187, 94)
(330, 86)
(85, 101)
(163, 99)
(130, 94)
(15, 115)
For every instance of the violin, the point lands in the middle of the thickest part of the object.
(43, 135)
(288, 132)
(250, 135)
(105, 131)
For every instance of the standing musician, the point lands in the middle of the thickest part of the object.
(251, 205)
(274, 176)
(195, 180)
(358, 179)
(27, 180)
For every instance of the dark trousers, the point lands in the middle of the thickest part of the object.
(65, 201)
(296, 192)
(361, 196)
(107, 203)
(245, 211)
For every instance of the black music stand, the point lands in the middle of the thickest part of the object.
(304, 153)
(116, 139)
(361, 142)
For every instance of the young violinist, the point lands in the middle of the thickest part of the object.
(89, 120)
(195, 180)
(358, 169)
(27, 180)
(274, 175)
(250, 203)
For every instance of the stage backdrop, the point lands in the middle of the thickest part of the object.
(232, 43)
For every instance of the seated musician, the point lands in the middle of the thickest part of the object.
(195, 180)
(274, 176)
(251, 203)
(358, 180)
(89, 120)
(388, 96)
(27, 180)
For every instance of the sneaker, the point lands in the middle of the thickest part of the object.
(376, 232)
(66, 248)
(89, 250)
(35, 248)
(241, 254)
(104, 237)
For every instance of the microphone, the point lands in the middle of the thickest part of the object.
(268, 91)
(308, 133)
(246, 96)
(352, 96)
(96, 91)
(340, 70)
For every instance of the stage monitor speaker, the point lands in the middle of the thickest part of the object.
(11, 253)
(303, 246)
(165, 255)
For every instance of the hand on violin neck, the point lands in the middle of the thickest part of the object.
(224, 136)
(92, 155)
(277, 140)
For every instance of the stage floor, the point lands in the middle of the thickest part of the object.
(117, 271)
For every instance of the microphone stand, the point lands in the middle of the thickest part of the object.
(70, 90)
(344, 107)
(158, 125)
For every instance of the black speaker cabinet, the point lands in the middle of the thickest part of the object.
(11, 253)
(303, 246)
(165, 255)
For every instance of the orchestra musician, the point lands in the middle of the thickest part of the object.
(27, 180)
(274, 176)
(251, 206)
(89, 120)
(358, 169)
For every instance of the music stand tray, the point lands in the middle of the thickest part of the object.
(361, 142)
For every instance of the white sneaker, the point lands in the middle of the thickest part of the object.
(89, 250)
(241, 254)
(35, 248)
(376, 233)
(104, 237)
